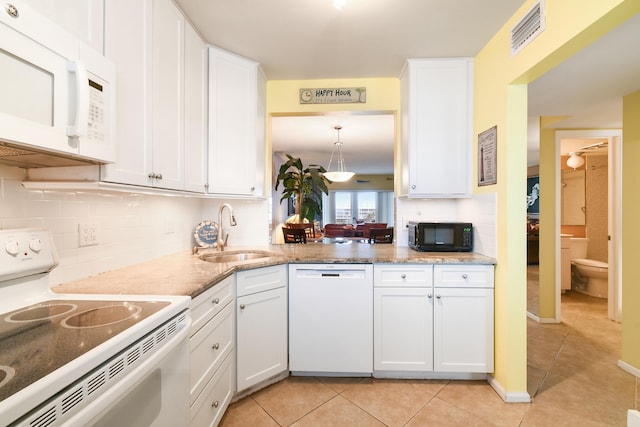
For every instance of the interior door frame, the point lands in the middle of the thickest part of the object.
(614, 137)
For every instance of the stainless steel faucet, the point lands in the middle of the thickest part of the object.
(222, 239)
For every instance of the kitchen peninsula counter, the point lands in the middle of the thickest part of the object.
(186, 274)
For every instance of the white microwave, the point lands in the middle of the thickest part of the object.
(57, 94)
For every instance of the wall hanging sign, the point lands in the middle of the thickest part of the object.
(487, 173)
(342, 95)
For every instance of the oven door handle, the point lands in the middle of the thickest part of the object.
(106, 400)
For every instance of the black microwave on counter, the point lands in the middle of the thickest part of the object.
(441, 236)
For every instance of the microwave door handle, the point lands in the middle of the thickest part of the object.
(79, 126)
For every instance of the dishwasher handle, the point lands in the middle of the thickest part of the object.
(330, 274)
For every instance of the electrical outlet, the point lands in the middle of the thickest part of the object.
(87, 234)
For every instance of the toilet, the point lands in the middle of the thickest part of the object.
(588, 276)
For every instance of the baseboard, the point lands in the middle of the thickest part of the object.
(409, 375)
(541, 319)
(629, 368)
(532, 316)
(508, 397)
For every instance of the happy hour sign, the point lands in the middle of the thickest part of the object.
(343, 95)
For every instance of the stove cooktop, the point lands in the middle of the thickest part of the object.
(38, 339)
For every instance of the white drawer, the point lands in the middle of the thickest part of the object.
(206, 305)
(405, 275)
(209, 346)
(261, 279)
(463, 276)
(210, 406)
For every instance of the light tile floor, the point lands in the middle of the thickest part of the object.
(572, 377)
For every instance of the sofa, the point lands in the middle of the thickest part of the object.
(339, 230)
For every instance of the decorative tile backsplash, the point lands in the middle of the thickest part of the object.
(129, 228)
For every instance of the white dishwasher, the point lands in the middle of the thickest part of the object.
(331, 319)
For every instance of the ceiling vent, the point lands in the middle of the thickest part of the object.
(528, 28)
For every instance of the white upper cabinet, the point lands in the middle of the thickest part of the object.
(84, 19)
(161, 73)
(167, 94)
(128, 45)
(437, 127)
(195, 110)
(236, 125)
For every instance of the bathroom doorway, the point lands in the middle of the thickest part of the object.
(585, 142)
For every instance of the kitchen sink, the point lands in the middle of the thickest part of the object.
(225, 257)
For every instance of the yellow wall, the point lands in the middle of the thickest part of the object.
(548, 167)
(501, 99)
(382, 95)
(631, 233)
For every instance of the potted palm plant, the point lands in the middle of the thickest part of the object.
(305, 185)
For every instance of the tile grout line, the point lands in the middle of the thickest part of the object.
(547, 372)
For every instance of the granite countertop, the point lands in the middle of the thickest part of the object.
(187, 274)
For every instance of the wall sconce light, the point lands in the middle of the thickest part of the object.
(575, 161)
(340, 174)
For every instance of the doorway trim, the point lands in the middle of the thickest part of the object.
(614, 137)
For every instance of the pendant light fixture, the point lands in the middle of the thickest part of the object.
(575, 161)
(339, 174)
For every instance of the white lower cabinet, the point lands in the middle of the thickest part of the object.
(463, 330)
(433, 318)
(212, 353)
(261, 316)
(403, 329)
(210, 406)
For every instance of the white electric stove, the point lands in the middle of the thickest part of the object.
(85, 359)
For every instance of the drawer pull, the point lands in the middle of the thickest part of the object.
(216, 346)
(403, 275)
(241, 306)
(465, 276)
(216, 301)
(215, 404)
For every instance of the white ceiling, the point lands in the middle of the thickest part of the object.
(589, 86)
(310, 39)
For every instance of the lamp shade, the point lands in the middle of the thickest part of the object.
(339, 174)
(574, 160)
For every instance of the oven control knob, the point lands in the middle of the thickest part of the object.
(35, 245)
(12, 248)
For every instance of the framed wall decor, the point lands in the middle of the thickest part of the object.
(487, 152)
(533, 196)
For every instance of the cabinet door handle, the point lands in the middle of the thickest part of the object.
(216, 346)
(465, 276)
(438, 296)
(216, 301)
(215, 404)
(241, 306)
(429, 296)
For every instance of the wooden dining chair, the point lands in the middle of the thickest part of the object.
(294, 235)
(308, 227)
(381, 235)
